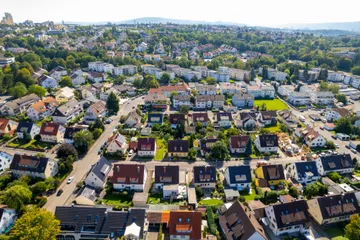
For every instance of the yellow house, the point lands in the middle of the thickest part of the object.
(64, 95)
(270, 175)
(178, 148)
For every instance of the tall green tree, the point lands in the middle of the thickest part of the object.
(24, 76)
(219, 151)
(83, 140)
(18, 91)
(17, 196)
(38, 90)
(352, 230)
(66, 82)
(112, 103)
(36, 224)
(165, 78)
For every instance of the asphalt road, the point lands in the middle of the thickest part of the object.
(82, 166)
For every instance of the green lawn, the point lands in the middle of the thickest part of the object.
(274, 129)
(248, 196)
(118, 199)
(154, 198)
(336, 233)
(161, 149)
(33, 144)
(211, 202)
(275, 104)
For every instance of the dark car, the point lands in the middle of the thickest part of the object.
(59, 192)
(333, 136)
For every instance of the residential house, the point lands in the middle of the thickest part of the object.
(67, 112)
(231, 88)
(299, 98)
(7, 219)
(184, 225)
(105, 95)
(204, 177)
(126, 70)
(341, 164)
(5, 161)
(311, 137)
(52, 132)
(78, 78)
(97, 177)
(7, 126)
(146, 147)
(238, 223)
(202, 118)
(288, 118)
(133, 119)
(267, 92)
(181, 89)
(303, 172)
(117, 143)
(47, 82)
(142, 47)
(28, 127)
(167, 178)
(267, 117)
(100, 223)
(205, 89)
(42, 109)
(270, 175)
(238, 177)
(34, 167)
(335, 76)
(96, 77)
(178, 148)
(224, 119)
(285, 90)
(333, 209)
(334, 114)
(58, 72)
(70, 132)
(19, 105)
(267, 143)
(206, 144)
(288, 218)
(157, 101)
(129, 177)
(209, 101)
(322, 98)
(243, 100)
(155, 118)
(238, 74)
(95, 111)
(65, 94)
(239, 144)
(180, 100)
(247, 120)
(175, 119)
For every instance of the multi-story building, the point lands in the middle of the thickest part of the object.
(341, 163)
(178, 148)
(146, 147)
(261, 91)
(322, 98)
(238, 74)
(19, 105)
(205, 177)
(243, 100)
(238, 177)
(97, 177)
(267, 143)
(303, 172)
(209, 101)
(334, 114)
(299, 98)
(239, 144)
(42, 109)
(129, 176)
(311, 137)
(52, 132)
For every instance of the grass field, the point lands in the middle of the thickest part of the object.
(161, 149)
(33, 144)
(336, 233)
(274, 129)
(248, 196)
(272, 105)
(211, 202)
(118, 199)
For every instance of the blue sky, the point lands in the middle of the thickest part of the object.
(252, 12)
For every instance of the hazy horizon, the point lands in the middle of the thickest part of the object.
(256, 13)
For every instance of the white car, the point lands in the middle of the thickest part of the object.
(70, 180)
(130, 153)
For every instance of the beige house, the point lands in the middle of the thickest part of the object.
(7, 126)
(52, 132)
(64, 95)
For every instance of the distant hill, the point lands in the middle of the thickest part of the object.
(347, 26)
(158, 20)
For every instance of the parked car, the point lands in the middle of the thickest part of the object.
(354, 150)
(333, 136)
(70, 180)
(59, 192)
(336, 145)
(347, 146)
(130, 153)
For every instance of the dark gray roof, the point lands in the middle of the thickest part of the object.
(268, 140)
(101, 219)
(338, 205)
(29, 163)
(239, 174)
(152, 118)
(178, 146)
(204, 174)
(304, 167)
(70, 131)
(335, 162)
(167, 174)
(205, 144)
(25, 126)
(291, 213)
(221, 115)
(102, 168)
(68, 109)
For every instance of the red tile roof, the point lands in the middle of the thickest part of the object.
(128, 174)
(185, 223)
(49, 128)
